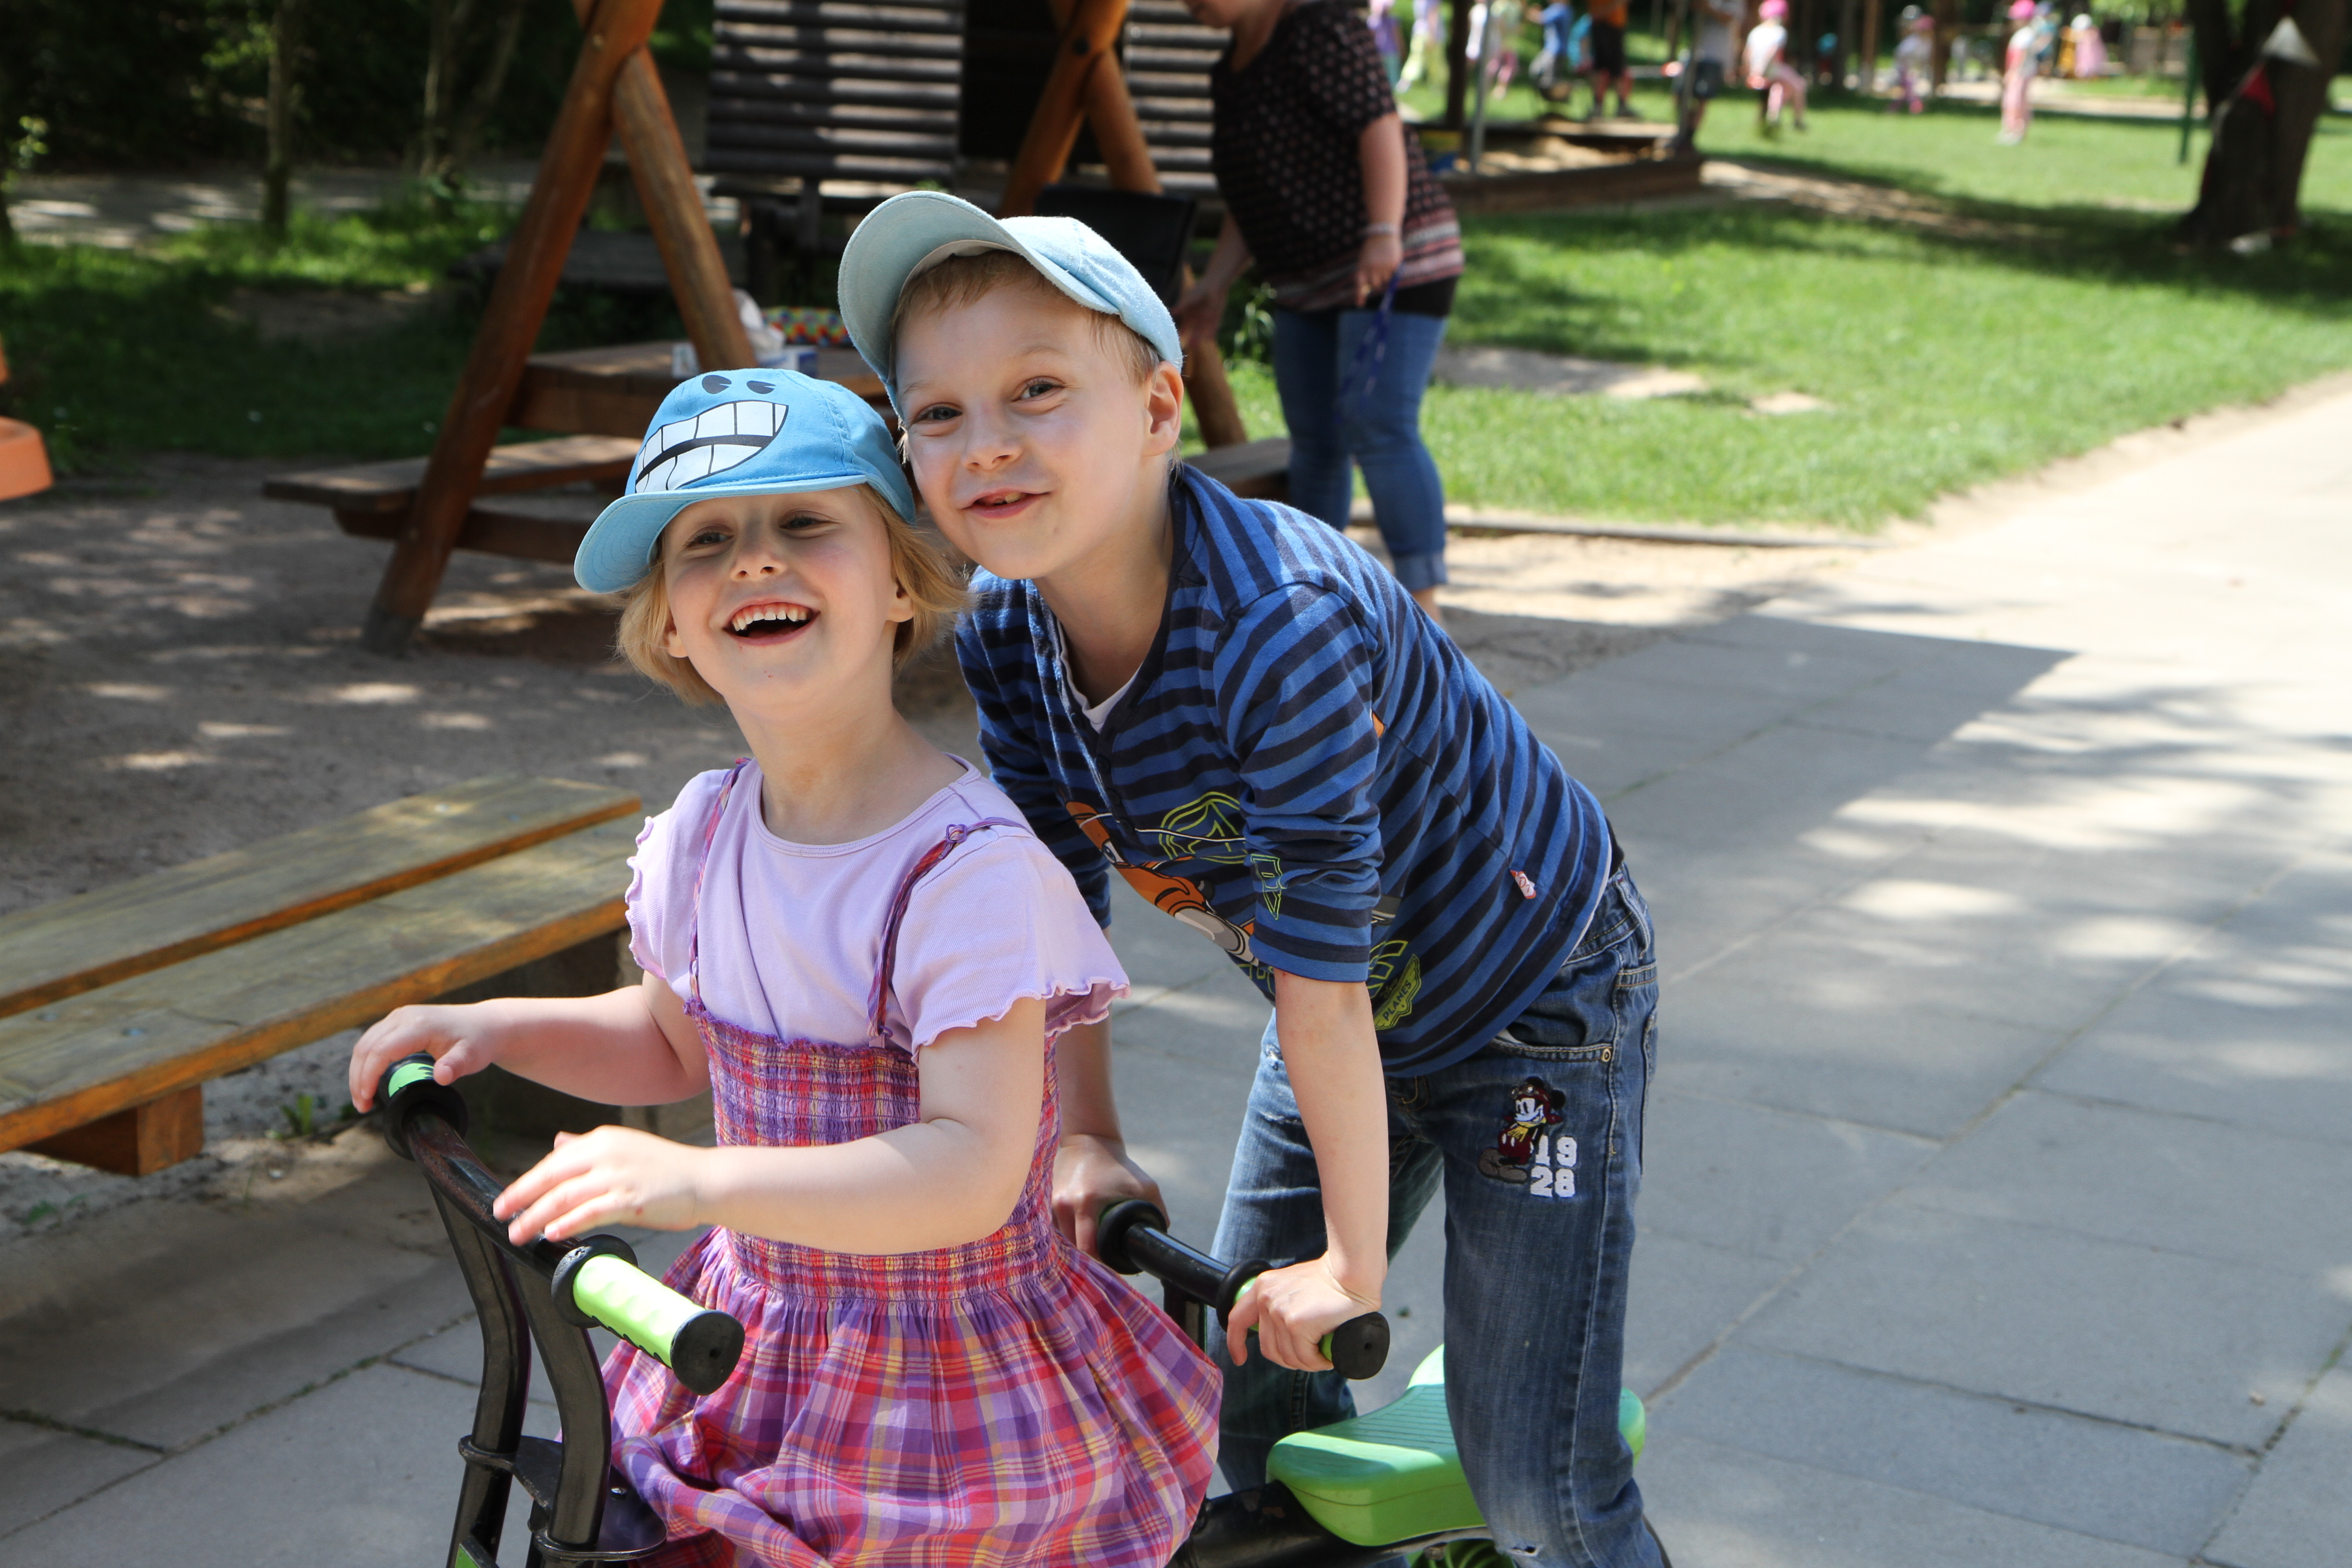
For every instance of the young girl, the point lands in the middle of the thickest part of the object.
(855, 942)
(1768, 70)
(2019, 68)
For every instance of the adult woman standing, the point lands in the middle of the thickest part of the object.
(1325, 185)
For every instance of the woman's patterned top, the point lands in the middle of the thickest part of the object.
(1285, 152)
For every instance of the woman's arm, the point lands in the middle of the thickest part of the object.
(951, 1178)
(1204, 304)
(1333, 1059)
(631, 1047)
(1380, 151)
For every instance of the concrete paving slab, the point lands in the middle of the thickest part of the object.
(200, 1315)
(2105, 1329)
(2185, 1183)
(2116, 1482)
(361, 1473)
(1907, 1069)
(1752, 1178)
(2250, 1028)
(46, 1469)
(1719, 1507)
(1901, 940)
(2298, 1511)
(1768, 791)
(1685, 1295)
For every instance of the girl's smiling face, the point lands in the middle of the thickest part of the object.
(781, 597)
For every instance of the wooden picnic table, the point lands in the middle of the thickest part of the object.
(117, 1006)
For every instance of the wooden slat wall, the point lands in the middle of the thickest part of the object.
(1168, 56)
(836, 89)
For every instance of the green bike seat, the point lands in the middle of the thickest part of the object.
(1395, 1475)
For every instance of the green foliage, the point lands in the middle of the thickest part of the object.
(116, 352)
(166, 82)
(2053, 319)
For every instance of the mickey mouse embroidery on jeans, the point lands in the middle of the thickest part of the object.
(1527, 1151)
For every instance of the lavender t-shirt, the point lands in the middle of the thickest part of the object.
(792, 934)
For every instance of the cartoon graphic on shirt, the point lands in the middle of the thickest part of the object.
(1527, 1151)
(1172, 895)
(1210, 828)
(1395, 980)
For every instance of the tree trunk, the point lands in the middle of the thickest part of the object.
(2269, 105)
(449, 24)
(284, 98)
(488, 86)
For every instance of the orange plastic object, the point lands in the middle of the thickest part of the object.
(24, 461)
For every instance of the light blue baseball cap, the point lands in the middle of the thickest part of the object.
(914, 232)
(739, 433)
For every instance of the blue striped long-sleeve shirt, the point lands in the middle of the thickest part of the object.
(1305, 770)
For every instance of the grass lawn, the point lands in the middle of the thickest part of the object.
(1947, 359)
(2048, 316)
(116, 352)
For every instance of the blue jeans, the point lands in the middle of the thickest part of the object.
(1538, 1138)
(1379, 430)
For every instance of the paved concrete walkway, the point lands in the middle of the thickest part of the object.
(1996, 1210)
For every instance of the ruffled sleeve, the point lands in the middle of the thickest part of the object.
(661, 882)
(1000, 922)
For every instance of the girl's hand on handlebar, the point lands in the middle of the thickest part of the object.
(1090, 1174)
(613, 1174)
(460, 1040)
(1291, 1308)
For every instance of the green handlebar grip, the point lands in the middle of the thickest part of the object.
(406, 1073)
(699, 1345)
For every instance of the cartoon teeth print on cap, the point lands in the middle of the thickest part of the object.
(712, 442)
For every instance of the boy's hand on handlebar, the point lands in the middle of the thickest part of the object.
(1090, 1174)
(613, 1175)
(461, 1040)
(1291, 1308)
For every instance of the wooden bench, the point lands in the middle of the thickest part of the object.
(539, 510)
(117, 1005)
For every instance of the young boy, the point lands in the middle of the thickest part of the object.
(1237, 709)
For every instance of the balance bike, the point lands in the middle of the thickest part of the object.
(1350, 1495)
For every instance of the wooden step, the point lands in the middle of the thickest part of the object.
(121, 1046)
(79, 944)
(526, 466)
(614, 391)
(1257, 469)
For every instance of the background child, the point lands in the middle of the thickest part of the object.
(2019, 65)
(854, 942)
(1914, 60)
(1239, 709)
(1768, 70)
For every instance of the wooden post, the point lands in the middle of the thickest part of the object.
(1457, 63)
(138, 1142)
(1088, 38)
(673, 203)
(534, 265)
(1869, 65)
(1111, 110)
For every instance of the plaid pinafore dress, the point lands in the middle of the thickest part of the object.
(1006, 1401)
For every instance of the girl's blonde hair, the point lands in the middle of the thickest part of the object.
(920, 563)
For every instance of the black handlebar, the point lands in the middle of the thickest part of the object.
(1133, 1238)
(425, 1122)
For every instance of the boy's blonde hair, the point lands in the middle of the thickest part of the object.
(920, 563)
(962, 280)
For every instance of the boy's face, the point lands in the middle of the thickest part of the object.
(1034, 448)
(774, 596)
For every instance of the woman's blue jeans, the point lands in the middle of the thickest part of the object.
(1379, 430)
(1538, 1139)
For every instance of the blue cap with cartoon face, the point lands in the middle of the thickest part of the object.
(915, 231)
(739, 433)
